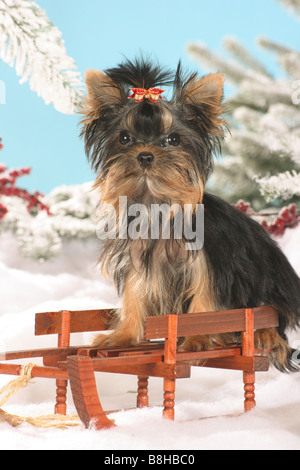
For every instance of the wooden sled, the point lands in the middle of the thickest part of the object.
(156, 356)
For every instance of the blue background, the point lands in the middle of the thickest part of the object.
(97, 33)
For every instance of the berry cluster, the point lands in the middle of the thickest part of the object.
(244, 207)
(287, 218)
(8, 187)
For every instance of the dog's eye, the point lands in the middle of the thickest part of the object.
(172, 139)
(125, 138)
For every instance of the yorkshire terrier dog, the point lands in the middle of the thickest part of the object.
(156, 151)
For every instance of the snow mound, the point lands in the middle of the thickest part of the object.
(208, 406)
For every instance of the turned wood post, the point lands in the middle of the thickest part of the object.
(248, 350)
(142, 396)
(170, 358)
(61, 385)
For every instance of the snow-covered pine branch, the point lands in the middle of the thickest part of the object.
(34, 46)
(203, 56)
(238, 51)
(292, 5)
(284, 185)
(40, 237)
(264, 116)
(287, 58)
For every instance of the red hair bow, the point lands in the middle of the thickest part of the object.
(152, 94)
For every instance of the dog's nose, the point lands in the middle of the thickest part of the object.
(145, 158)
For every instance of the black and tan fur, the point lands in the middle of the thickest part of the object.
(239, 265)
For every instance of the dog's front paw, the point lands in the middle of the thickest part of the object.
(196, 343)
(113, 339)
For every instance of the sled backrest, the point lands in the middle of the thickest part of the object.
(66, 322)
(190, 324)
(205, 323)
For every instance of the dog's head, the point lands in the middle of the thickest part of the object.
(144, 146)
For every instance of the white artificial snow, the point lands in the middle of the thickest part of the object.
(209, 405)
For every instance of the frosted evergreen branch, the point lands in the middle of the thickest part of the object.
(287, 58)
(284, 145)
(275, 129)
(272, 46)
(233, 71)
(203, 56)
(265, 122)
(40, 237)
(247, 116)
(292, 5)
(33, 45)
(238, 51)
(284, 185)
(260, 96)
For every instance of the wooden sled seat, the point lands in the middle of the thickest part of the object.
(156, 356)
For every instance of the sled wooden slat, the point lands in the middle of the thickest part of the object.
(49, 323)
(205, 323)
(148, 369)
(244, 363)
(215, 353)
(156, 356)
(45, 352)
(37, 371)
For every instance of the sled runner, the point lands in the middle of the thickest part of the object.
(156, 356)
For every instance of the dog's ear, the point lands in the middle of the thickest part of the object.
(102, 91)
(208, 90)
(207, 94)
